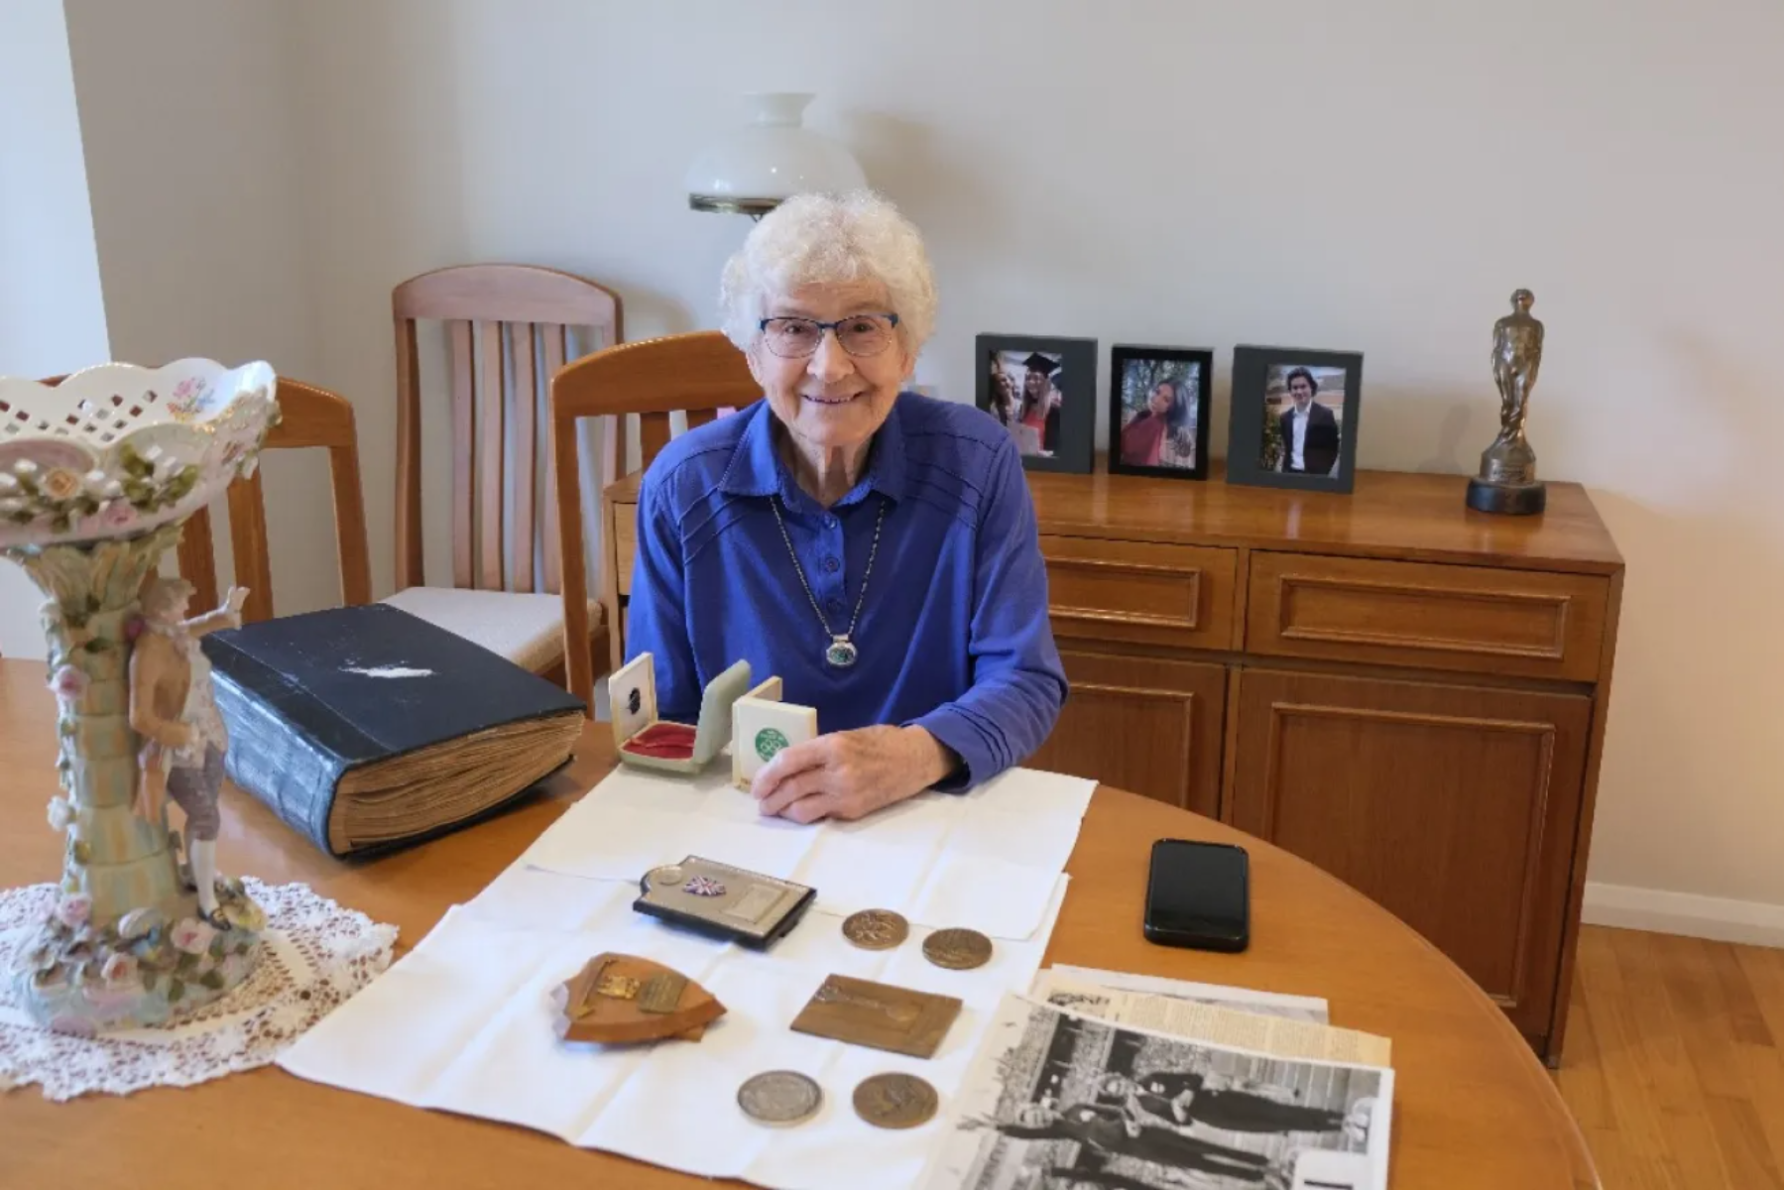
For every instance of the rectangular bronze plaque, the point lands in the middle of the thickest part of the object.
(662, 992)
(878, 1015)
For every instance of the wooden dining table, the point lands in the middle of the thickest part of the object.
(1472, 1105)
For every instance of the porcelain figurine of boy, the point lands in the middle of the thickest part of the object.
(172, 707)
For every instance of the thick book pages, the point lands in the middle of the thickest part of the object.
(366, 727)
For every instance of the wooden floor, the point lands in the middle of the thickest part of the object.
(1672, 1062)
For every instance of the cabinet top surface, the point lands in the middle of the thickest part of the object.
(1398, 514)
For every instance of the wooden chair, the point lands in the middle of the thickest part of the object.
(508, 326)
(699, 373)
(308, 417)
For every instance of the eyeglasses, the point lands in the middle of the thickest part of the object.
(859, 334)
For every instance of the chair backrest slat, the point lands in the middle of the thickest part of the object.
(196, 555)
(248, 541)
(701, 417)
(525, 452)
(498, 316)
(700, 371)
(653, 435)
(489, 456)
(408, 535)
(460, 364)
(554, 361)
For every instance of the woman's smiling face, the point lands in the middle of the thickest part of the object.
(830, 399)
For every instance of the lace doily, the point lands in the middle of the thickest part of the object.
(315, 955)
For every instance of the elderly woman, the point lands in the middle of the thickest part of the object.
(875, 548)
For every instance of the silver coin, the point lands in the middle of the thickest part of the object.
(780, 1098)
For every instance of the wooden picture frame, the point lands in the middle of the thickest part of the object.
(1062, 440)
(1144, 441)
(1258, 452)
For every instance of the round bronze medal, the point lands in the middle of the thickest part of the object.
(876, 929)
(895, 1100)
(958, 950)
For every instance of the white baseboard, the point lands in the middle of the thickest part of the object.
(1753, 922)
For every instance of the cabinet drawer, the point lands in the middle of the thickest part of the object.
(1140, 591)
(1426, 615)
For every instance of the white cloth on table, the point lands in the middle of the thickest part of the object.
(463, 1023)
(986, 859)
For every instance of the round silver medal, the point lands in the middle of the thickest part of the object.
(780, 1098)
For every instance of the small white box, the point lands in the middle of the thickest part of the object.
(762, 725)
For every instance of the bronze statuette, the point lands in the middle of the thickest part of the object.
(1508, 480)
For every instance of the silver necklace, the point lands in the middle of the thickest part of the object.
(841, 652)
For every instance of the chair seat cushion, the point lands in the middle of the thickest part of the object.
(527, 629)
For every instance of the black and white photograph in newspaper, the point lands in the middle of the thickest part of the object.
(1058, 1101)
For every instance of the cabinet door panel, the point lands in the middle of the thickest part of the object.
(1149, 726)
(1451, 806)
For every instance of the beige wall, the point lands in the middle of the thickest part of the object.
(191, 110)
(52, 315)
(1376, 176)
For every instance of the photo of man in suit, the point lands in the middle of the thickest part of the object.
(1307, 430)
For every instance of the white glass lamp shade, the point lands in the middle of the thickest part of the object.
(752, 169)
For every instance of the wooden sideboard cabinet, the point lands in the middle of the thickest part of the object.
(1405, 692)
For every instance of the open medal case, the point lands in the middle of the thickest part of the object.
(762, 725)
(644, 740)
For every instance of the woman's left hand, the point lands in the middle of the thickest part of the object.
(850, 774)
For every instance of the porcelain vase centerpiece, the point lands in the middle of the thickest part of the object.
(98, 474)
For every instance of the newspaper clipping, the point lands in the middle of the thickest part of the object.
(1203, 1020)
(1060, 1101)
(1299, 1008)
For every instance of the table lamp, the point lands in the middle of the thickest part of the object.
(752, 169)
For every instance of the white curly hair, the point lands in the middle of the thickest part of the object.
(827, 239)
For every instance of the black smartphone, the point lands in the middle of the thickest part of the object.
(1198, 896)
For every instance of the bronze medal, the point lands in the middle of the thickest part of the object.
(958, 950)
(876, 929)
(895, 1100)
(878, 1015)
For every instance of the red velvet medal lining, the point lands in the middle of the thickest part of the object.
(664, 741)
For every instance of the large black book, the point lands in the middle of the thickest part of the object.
(367, 727)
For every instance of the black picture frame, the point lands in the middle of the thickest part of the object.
(1074, 426)
(1121, 357)
(1247, 445)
